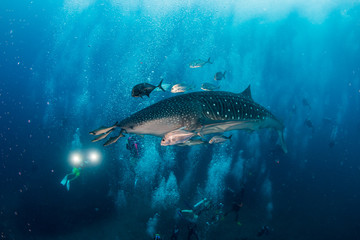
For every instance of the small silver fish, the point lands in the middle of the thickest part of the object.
(209, 87)
(100, 137)
(180, 88)
(219, 75)
(219, 139)
(199, 63)
(176, 137)
(103, 130)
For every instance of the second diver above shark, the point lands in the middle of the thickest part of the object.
(200, 113)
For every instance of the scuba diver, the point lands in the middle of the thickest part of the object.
(134, 146)
(265, 230)
(194, 213)
(157, 237)
(237, 205)
(217, 215)
(79, 163)
(192, 231)
(175, 233)
(71, 177)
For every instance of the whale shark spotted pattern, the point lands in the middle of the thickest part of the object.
(203, 113)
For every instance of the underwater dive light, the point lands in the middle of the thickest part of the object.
(94, 156)
(76, 158)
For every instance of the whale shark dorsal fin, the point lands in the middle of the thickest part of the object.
(247, 93)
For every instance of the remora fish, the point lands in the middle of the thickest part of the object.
(204, 113)
(176, 137)
(219, 139)
(199, 63)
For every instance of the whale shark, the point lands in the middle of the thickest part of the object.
(202, 113)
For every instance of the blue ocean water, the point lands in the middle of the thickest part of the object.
(68, 67)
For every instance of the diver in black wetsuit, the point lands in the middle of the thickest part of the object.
(157, 237)
(175, 233)
(192, 231)
(237, 205)
(265, 230)
(235, 208)
(134, 146)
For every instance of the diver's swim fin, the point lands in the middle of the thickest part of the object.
(63, 182)
(282, 141)
(68, 185)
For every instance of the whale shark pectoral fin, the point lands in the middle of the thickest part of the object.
(282, 141)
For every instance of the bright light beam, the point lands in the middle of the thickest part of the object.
(76, 158)
(94, 156)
